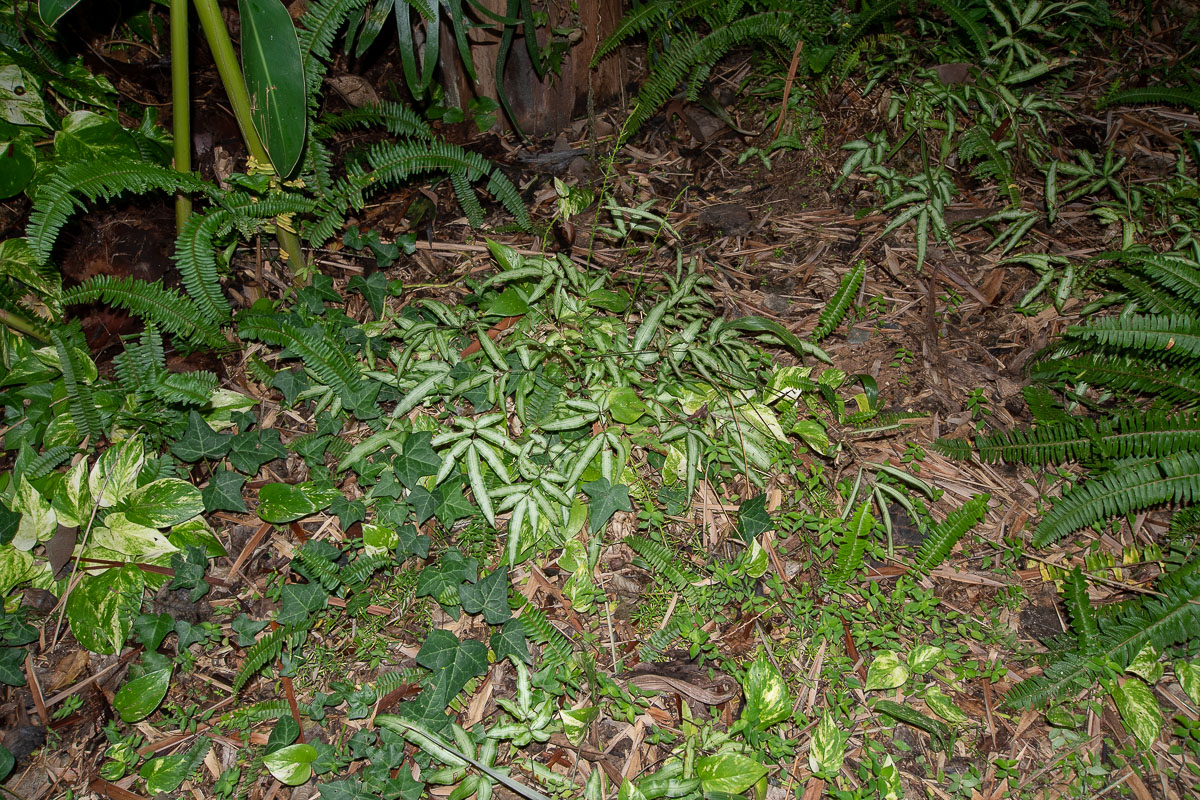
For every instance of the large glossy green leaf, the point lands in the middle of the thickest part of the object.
(291, 765)
(101, 608)
(274, 79)
(53, 10)
(136, 699)
(162, 503)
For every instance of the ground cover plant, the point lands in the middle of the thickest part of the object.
(870, 475)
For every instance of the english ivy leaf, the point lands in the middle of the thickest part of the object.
(753, 518)
(247, 629)
(417, 459)
(452, 506)
(411, 543)
(7, 762)
(291, 382)
(298, 600)
(348, 511)
(510, 641)
(349, 789)
(388, 486)
(250, 450)
(224, 492)
(359, 702)
(151, 629)
(424, 502)
(188, 634)
(453, 662)
(12, 666)
(606, 500)
(285, 732)
(200, 441)
(489, 595)
(374, 288)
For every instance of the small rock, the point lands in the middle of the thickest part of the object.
(775, 303)
(858, 335)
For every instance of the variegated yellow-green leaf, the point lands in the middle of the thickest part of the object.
(886, 672)
(1139, 710)
(575, 722)
(924, 657)
(574, 555)
(790, 382)
(756, 564)
(767, 698)
(763, 418)
(889, 786)
(379, 539)
(115, 473)
(16, 567)
(828, 748)
(731, 773)
(163, 503)
(136, 541)
(813, 434)
(943, 706)
(629, 792)
(291, 765)
(1189, 678)
(1147, 664)
(73, 501)
(38, 520)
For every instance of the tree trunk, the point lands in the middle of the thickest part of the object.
(547, 106)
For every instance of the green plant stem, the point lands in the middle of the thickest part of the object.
(181, 111)
(18, 324)
(239, 99)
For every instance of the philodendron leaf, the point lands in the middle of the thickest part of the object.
(767, 698)
(162, 503)
(291, 765)
(280, 503)
(166, 773)
(101, 608)
(943, 706)
(139, 697)
(274, 75)
(828, 748)
(1188, 674)
(924, 657)
(731, 773)
(1147, 664)
(886, 672)
(1139, 710)
(52, 11)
